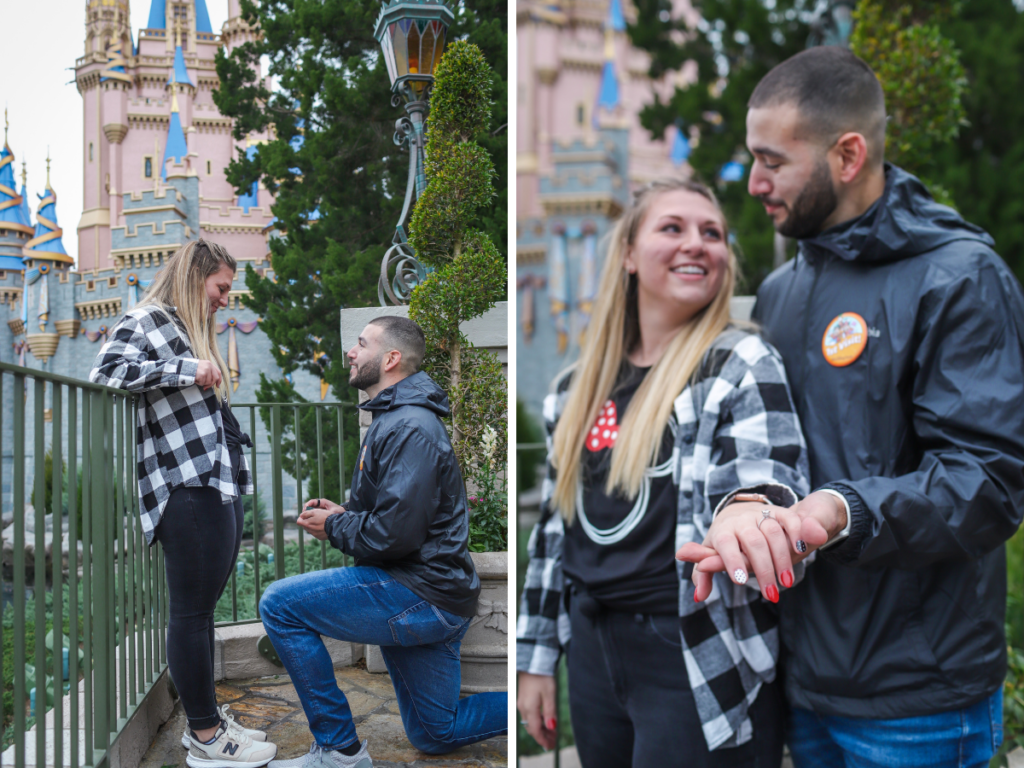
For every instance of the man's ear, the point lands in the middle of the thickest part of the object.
(392, 361)
(851, 151)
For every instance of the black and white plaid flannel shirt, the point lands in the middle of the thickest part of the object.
(747, 437)
(180, 427)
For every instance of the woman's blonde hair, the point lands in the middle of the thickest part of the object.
(613, 332)
(182, 284)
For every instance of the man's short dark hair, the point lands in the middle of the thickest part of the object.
(834, 91)
(406, 336)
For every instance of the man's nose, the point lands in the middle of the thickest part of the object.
(758, 183)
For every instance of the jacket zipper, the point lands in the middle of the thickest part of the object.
(818, 267)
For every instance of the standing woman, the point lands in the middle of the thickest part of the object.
(192, 474)
(670, 411)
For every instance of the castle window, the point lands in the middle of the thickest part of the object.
(147, 171)
(3, 274)
(111, 282)
(90, 285)
(581, 114)
(208, 171)
(90, 151)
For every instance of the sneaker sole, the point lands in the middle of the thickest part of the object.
(186, 742)
(200, 762)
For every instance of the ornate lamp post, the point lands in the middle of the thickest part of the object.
(411, 34)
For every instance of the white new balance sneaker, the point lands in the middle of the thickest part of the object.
(322, 758)
(229, 721)
(230, 749)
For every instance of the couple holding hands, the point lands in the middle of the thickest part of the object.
(791, 532)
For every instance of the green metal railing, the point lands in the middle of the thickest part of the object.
(116, 610)
(312, 451)
(118, 621)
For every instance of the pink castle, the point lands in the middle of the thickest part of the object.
(149, 117)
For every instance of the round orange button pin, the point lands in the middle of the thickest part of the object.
(844, 339)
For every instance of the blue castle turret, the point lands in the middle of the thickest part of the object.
(15, 229)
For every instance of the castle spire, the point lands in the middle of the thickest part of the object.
(177, 148)
(46, 244)
(179, 74)
(26, 212)
(11, 218)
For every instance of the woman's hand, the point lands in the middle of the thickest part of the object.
(208, 374)
(536, 704)
(787, 537)
(737, 544)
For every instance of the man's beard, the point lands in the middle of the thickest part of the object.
(366, 375)
(812, 207)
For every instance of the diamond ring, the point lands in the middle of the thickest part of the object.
(766, 514)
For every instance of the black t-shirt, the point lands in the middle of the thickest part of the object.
(638, 573)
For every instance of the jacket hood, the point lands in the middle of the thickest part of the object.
(418, 389)
(905, 221)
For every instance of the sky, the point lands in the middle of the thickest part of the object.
(39, 42)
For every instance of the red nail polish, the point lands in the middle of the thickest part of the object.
(787, 579)
(772, 593)
(552, 723)
(695, 598)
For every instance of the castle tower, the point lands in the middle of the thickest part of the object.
(580, 152)
(15, 228)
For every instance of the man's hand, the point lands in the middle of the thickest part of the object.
(731, 546)
(536, 704)
(315, 514)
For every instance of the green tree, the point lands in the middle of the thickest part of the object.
(984, 166)
(332, 153)
(469, 277)
(921, 74)
(734, 46)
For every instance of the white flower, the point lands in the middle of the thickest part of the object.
(490, 443)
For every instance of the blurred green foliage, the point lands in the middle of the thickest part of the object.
(469, 275)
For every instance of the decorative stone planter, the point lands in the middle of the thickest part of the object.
(42, 345)
(485, 646)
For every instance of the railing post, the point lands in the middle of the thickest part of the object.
(73, 567)
(57, 577)
(320, 474)
(19, 570)
(257, 528)
(278, 470)
(298, 488)
(39, 513)
(101, 589)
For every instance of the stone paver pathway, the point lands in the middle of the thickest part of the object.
(271, 704)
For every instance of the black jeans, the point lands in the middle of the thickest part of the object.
(200, 537)
(631, 701)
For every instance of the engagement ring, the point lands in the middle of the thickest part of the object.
(766, 514)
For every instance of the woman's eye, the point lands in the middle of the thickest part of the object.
(671, 228)
(771, 167)
(713, 233)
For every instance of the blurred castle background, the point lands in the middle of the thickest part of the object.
(581, 152)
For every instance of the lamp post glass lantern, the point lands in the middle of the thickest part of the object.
(412, 35)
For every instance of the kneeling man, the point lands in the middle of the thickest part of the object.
(413, 589)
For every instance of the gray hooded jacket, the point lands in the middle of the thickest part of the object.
(407, 513)
(923, 433)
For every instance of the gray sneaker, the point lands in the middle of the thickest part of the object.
(230, 749)
(229, 721)
(321, 758)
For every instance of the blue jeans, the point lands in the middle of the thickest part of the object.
(419, 641)
(961, 738)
